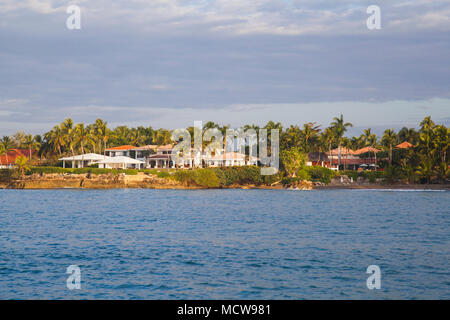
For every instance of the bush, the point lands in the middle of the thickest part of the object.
(186, 177)
(240, 175)
(321, 174)
(206, 178)
(200, 177)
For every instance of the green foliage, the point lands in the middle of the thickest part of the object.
(293, 160)
(392, 173)
(321, 174)
(206, 178)
(186, 177)
(240, 175)
(199, 177)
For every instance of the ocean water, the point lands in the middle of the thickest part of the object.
(224, 244)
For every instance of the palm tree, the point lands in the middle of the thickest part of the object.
(328, 137)
(388, 140)
(22, 165)
(425, 169)
(102, 132)
(56, 139)
(408, 134)
(291, 138)
(310, 136)
(2, 152)
(29, 143)
(82, 136)
(370, 140)
(38, 144)
(441, 142)
(340, 127)
(7, 146)
(69, 134)
(19, 139)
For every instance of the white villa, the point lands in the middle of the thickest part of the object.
(121, 162)
(153, 156)
(83, 160)
(163, 159)
(86, 160)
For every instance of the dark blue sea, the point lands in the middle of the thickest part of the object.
(224, 244)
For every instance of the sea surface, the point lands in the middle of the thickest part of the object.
(224, 244)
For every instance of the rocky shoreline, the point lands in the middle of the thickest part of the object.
(149, 181)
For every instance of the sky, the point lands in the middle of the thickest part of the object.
(168, 63)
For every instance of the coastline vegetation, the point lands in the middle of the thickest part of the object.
(425, 162)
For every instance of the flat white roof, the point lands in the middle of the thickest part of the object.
(121, 159)
(85, 157)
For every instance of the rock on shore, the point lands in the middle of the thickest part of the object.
(101, 181)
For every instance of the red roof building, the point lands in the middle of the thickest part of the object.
(10, 158)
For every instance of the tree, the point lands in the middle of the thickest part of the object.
(290, 138)
(82, 136)
(7, 146)
(409, 135)
(293, 160)
(102, 132)
(425, 170)
(19, 139)
(370, 140)
(56, 139)
(309, 136)
(22, 165)
(442, 172)
(340, 127)
(69, 134)
(426, 136)
(388, 140)
(29, 143)
(2, 152)
(441, 142)
(328, 137)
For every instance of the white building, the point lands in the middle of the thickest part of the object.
(121, 162)
(83, 160)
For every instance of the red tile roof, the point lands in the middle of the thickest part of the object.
(404, 145)
(366, 149)
(343, 151)
(14, 154)
(125, 147)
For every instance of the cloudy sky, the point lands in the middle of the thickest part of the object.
(166, 63)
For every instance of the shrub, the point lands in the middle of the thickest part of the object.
(241, 175)
(186, 177)
(321, 174)
(163, 174)
(206, 178)
(303, 174)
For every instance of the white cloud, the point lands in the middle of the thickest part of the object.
(238, 17)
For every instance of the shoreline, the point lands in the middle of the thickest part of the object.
(418, 187)
(149, 181)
